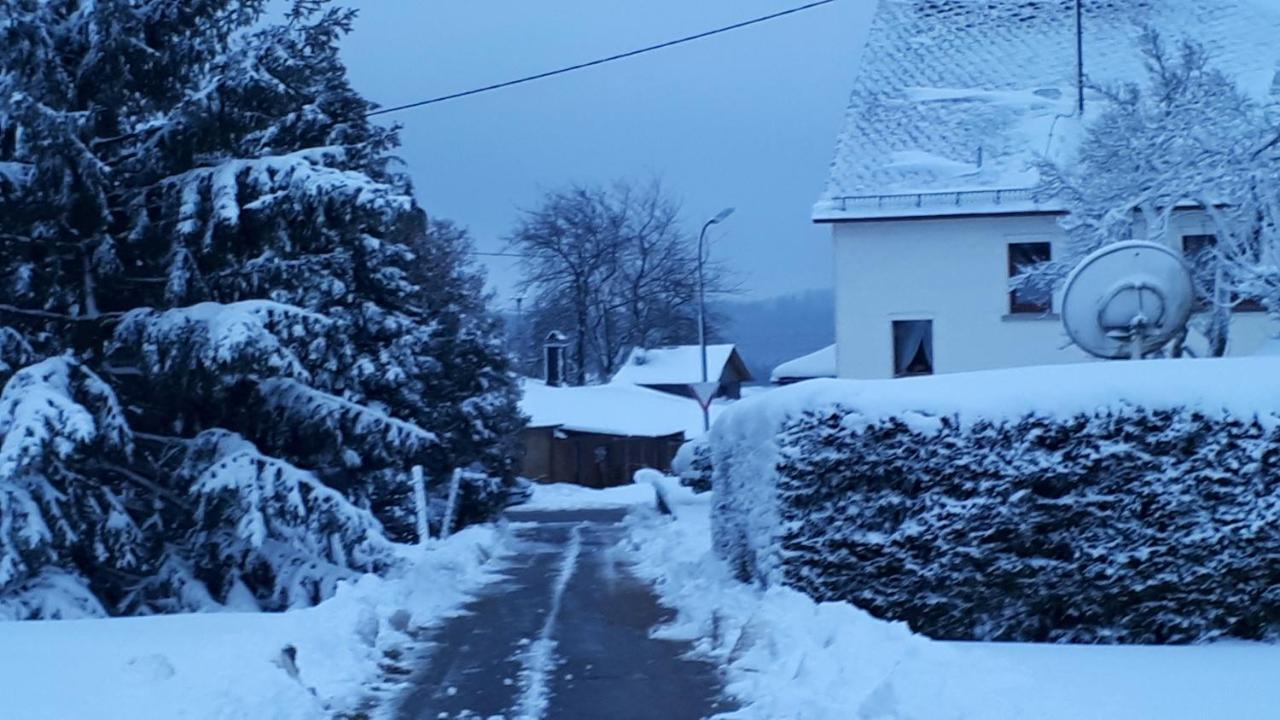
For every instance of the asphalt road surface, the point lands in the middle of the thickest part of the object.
(565, 636)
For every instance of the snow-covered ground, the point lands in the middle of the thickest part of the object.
(789, 657)
(566, 496)
(231, 666)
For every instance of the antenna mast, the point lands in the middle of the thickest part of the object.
(1080, 55)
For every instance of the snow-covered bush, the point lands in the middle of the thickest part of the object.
(1122, 502)
(692, 464)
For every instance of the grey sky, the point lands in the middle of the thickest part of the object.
(746, 119)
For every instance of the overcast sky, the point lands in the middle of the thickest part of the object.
(746, 119)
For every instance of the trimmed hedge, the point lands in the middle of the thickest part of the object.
(692, 465)
(1123, 526)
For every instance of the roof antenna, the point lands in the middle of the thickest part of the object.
(1080, 55)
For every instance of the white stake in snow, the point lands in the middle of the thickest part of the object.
(420, 502)
(451, 507)
(539, 660)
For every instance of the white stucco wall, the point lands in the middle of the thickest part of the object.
(954, 271)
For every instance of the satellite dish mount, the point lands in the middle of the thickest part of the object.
(1127, 300)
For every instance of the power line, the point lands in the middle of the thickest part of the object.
(601, 61)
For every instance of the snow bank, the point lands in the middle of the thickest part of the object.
(1044, 391)
(565, 496)
(229, 666)
(786, 656)
(1108, 502)
(818, 364)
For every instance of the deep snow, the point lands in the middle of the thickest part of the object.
(789, 657)
(231, 666)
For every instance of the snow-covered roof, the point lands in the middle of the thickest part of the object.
(819, 364)
(613, 409)
(678, 365)
(954, 99)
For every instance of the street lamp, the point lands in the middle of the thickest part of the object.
(702, 314)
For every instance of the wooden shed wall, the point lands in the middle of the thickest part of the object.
(592, 459)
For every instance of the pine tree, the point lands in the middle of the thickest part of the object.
(206, 236)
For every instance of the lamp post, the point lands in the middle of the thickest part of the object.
(702, 312)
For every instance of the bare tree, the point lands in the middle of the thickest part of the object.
(617, 262)
(1187, 139)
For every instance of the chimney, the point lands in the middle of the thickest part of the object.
(553, 358)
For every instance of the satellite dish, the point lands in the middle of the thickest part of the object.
(1127, 300)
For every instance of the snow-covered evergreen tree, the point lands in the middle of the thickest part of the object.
(201, 227)
(64, 495)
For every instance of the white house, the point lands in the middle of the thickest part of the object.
(931, 196)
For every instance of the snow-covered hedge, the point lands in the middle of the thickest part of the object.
(692, 464)
(1119, 502)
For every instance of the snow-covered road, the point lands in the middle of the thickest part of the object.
(566, 635)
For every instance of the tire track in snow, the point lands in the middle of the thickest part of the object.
(539, 659)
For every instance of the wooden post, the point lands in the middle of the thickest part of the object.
(420, 502)
(451, 507)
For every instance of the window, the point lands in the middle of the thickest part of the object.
(1029, 300)
(912, 347)
(1198, 251)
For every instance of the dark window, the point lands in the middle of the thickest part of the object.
(1199, 252)
(1037, 299)
(912, 347)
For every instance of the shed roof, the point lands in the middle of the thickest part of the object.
(614, 409)
(818, 364)
(954, 99)
(678, 365)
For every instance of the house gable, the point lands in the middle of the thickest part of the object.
(955, 100)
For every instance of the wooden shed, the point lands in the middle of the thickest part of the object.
(594, 460)
(600, 436)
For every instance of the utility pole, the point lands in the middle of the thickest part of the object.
(1080, 56)
(520, 339)
(702, 315)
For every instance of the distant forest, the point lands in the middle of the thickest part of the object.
(772, 331)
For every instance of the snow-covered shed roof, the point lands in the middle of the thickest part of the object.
(818, 364)
(613, 409)
(954, 99)
(678, 365)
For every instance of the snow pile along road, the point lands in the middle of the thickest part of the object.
(787, 656)
(307, 664)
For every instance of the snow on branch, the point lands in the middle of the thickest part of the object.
(300, 411)
(310, 178)
(56, 418)
(53, 409)
(53, 594)
(15, 352)
(273, 527)
(223, 343)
